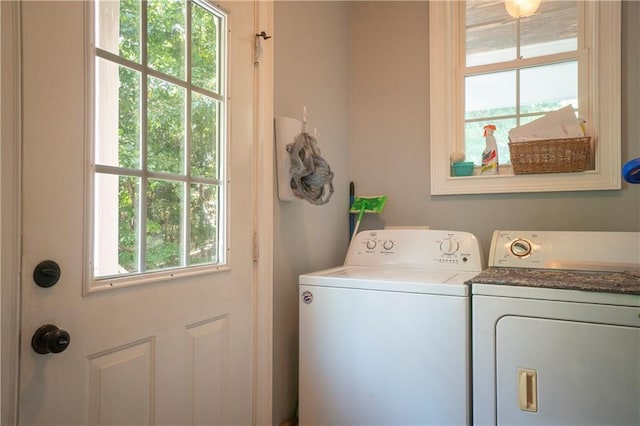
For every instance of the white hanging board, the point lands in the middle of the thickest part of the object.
(286, 129)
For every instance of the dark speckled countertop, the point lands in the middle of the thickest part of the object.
(610, 282)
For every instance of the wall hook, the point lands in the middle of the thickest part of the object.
(263, 35)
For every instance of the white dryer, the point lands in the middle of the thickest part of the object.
(556, 330)
(384, 339)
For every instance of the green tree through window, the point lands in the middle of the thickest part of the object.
(159, 135)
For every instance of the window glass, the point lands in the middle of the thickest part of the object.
(159, 136)
(164, 230)
(165, 126)
(117, 115)
(118, 27)
(548, 87)
(166, 29)
(491, 34)
(204, 223)
(118, 213)
(492, 94)
(552, 29)
(511, 90)
(204, 136)
(204, 55)
(489, 99)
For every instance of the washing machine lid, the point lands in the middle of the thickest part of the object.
(439, 282)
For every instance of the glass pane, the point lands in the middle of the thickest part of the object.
(475, 142)
(165, 127)
(490, 33)
(549, 87)
(166, 29)
(117, 128)
(204, 48)
(117, 222)
(490, 95)
(552, 29)
(164, 216)
(204, 136)
(203, 247)
(118, 27)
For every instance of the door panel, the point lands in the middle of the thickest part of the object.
(110, 402)
(172, 352)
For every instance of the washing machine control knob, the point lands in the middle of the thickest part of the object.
(371, 244)
(388, 245)
(520, 247)
(449, 246)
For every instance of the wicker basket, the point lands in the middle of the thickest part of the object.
(550, 155)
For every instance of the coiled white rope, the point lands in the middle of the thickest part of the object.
(311, 176)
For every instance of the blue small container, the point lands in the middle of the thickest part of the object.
(464, 168)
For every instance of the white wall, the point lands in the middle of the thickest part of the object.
(390, 129)
(311, 60)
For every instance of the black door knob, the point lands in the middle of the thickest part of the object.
(50, 339)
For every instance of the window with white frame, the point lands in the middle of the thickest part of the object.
(159, 137)
(487, 67)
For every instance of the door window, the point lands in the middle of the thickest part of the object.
(159, 194)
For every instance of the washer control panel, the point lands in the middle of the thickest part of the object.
(416, 248)
(575, 250)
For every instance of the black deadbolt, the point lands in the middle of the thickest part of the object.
(47, 273)
(50, 339)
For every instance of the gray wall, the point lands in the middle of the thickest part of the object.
(390, 136)
(311, 68)
(362, 70)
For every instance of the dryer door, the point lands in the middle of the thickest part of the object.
(565, 372)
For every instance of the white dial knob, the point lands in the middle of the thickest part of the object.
(371, 244)
(388, 245)
(520, 247)
(449, 246)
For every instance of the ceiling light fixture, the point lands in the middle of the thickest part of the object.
(521, 8)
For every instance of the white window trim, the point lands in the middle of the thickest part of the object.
(605, 126)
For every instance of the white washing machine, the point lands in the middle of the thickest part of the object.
(384, 339)
(556, 330)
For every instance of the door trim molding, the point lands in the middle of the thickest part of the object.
(263, 220)
(10, 218)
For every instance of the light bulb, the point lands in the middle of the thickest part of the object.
(521, 8)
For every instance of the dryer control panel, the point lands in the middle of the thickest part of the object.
(416, 248)
(571, 250)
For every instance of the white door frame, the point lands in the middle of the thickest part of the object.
(263, 221)
(10, 201)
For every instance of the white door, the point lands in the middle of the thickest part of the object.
(177, 351)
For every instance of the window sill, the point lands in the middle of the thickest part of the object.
(95, 285)
(506, 182)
